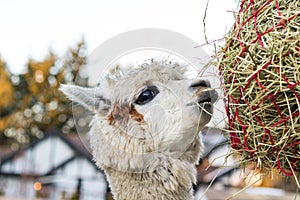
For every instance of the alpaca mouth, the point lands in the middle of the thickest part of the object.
(203, 101)
(210, 98)
(207, 99)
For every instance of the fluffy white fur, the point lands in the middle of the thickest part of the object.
(147, 151)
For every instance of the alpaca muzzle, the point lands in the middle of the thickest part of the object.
(204, 93)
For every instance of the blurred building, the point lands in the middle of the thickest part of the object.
(54, 167)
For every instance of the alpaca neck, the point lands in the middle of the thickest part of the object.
(171, 178)
(172, 181)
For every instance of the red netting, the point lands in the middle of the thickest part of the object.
(261, 70)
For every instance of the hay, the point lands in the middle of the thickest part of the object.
(260, 65)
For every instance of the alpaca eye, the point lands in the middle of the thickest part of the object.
(147, 95)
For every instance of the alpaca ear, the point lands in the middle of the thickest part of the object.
(90, 98)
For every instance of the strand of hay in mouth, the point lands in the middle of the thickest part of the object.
(260, 65)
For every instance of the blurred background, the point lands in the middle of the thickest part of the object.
(45, 43)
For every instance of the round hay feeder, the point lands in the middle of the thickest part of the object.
(260, 65)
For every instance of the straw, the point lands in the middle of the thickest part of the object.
(260, 65)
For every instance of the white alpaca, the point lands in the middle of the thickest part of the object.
(145, 130)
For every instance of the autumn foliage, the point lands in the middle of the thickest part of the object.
(30, 103)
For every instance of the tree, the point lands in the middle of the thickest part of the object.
(33, 103)
(7, 99)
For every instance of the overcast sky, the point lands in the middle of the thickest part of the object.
(29, 28)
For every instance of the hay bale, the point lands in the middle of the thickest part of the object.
(260, 65)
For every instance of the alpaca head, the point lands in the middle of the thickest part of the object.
(144, 114)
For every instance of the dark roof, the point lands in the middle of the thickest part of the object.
(5, 151)
(78, 144)
(72, 140)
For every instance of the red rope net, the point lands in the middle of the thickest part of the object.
(261, 70)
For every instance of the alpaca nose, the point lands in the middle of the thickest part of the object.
(203, 92)
(200, 83)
